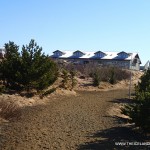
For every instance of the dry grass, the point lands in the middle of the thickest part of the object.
(9, 110)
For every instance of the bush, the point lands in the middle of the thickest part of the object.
(96, 78)
(112, 79)
(2, 89)
(65, 76)
(68, 81)
(139, 111)
(72, 78)
(121, 74)
(107, 74)
(30, 69)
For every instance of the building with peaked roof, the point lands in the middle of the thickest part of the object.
(146, 66)
(2, 52)
(121, 59)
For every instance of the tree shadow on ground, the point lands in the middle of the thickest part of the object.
(109, 138)
(87, 84)
(20, 93)
(122, 101)
(112, 138)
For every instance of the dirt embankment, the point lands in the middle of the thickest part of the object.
(85, 84)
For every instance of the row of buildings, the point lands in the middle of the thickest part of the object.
(121, 59)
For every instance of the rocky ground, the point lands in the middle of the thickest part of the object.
(81, 121)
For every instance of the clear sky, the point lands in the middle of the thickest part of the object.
(88, 25)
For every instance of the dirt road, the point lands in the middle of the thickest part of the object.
(67, 123)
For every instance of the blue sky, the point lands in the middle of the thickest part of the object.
(88, 25)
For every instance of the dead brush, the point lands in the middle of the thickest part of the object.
(9, 110)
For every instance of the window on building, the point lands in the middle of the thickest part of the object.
(123, 55)
(58, 53)
(100, 54)
(78, 54)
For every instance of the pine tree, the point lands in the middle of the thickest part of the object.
(139, 111)
(112, 79)
(65, 76)
(73, 80)
(144, 85)
(10, 66)
(96, 78)
(30, 69)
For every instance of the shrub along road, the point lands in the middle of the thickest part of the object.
(70, 122)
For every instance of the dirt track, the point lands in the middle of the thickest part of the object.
(73, 122)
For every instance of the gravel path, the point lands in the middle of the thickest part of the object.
(68, 123)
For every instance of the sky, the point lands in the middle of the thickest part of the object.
(87, 25)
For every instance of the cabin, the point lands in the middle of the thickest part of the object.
(120, 59)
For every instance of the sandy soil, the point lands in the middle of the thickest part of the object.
(81, 121)
(87, 118)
